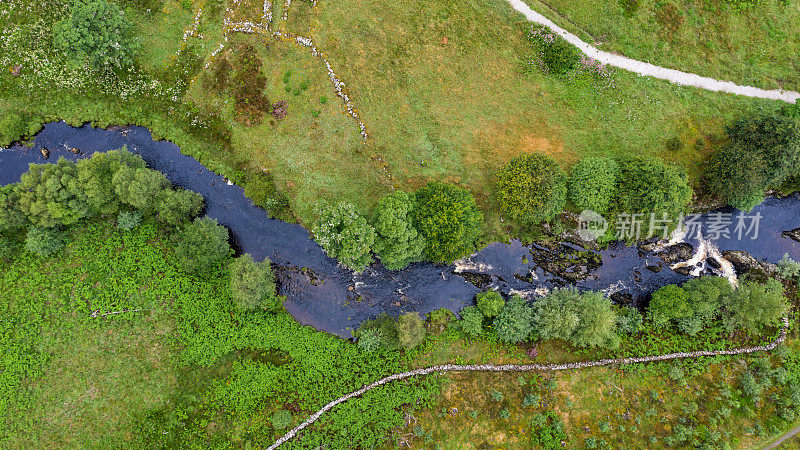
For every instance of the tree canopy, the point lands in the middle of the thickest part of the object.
(648, 185)
(96, 32)
(345, 235)
(397, 242)
(593, 183)
(253, 284)
(202, 247)
(531, 189)
(448, 218)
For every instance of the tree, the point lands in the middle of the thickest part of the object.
(369, 340)
(44, 241)
(490, 303)
(593, 182)
(669, 303)
(597, 324)
(647, 185)
(203, 247)
(95, 175)
(738, 175)
(775, 137)
(253, 285)
(706, 296)
(128, 220)
(448, 219)
(177, 206)
(11, 216)
(16, 125)
(96, 32)
(345, 235)
(471, 321)
(555, 316)
(410, 330)
(531, 189)
(51, 194)
(514, 323)
(397, 243)
(139, 187)
(754, 305)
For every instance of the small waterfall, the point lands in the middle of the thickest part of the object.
(705, 250)
(467, 265)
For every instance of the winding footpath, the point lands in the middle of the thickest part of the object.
(527, 368)
(650, 70)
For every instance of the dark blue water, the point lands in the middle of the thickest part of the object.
(321, 294)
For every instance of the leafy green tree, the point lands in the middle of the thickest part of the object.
(203, 247)
(515, 321)
(754, 305)
(471, 321)
(177, 206)
(448, 219)
(44, 241)
(139, 187)
(253, 285)
(593, 183)
(51, 194)
(738, 175)
(11, 216)
(773, 136)
(410, 330)
(128, 220)
(648, 185)
(397, 243)
(706, 296)
(490, 303)
(96, 173)
(96, 32)
(15, 126)
(598, 322)
(555, 316)
(345, 235)
(669, 303)
(531, 189)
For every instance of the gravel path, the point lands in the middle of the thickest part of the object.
(444, 368)
(643, 68)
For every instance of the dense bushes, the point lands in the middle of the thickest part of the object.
(44, 241)
(554, 55)
(763, 151)
(593, 183)
(648, 185)
(490, 303)
(253, 284)
(16, 126)
(202, 247)
(407, 332)
(260, 188)
(699, 302)
(531, 189)
(345, 235)
(448, 218)
(584, 319)
(397, 242)
(96, 32)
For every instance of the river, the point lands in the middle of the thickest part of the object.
(321, 294)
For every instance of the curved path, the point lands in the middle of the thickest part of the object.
(526, 368)
(647, 69)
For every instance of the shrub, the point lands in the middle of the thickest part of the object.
(737, 175)
(369, 340)
(754, 305)
(531, 189)
(505, 413)
(253, 285)
(548, 431)
(532, 399)
(177, 206)
(630, 320)
(44, 241)
(556, 55)
(448, 219)
(281, 419)
(490, 303)
(397, 242)
(345, 235)
(128, 220)
(667, 304)
(385, 327)
(11, 215)
(203, 247)
(96, 32)
(647, 185)
(593, 182)
(16, 126)
(7, 248)
(471, 321)
(514, 323)
(440, 317)
(410, 330)
(496, 395)
(788, 267)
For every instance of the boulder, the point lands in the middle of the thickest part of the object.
(793, 235)
(677, 253)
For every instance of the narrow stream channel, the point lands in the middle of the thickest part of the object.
(321, 294)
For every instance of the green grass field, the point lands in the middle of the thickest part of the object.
(755, 45)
